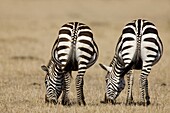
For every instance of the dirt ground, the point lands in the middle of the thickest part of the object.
(28, 29)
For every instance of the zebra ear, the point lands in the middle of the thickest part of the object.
(107, 68)
(44, 68)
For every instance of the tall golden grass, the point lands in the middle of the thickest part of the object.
(28, 29)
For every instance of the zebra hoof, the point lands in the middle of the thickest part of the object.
(148, 103)
(141, 103)
(51, 102)
(108, 101)
(66, 102)
(82, 102)
(144, 103)
(130, 102)
(103, 102)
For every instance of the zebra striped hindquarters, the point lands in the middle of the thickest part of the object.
(74, 50)
(139, 47)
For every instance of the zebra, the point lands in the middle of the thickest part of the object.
(139, 47)
(73, 50)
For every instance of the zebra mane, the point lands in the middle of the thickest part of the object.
(116, 58)
(113, 62)
(126, 69)
(52, 65)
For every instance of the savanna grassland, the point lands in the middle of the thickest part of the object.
(28, 29)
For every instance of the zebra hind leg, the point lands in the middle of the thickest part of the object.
(141, 81)
(144, 91)
(108, 101)
(66, 87)
(79, 88)
(130, 80)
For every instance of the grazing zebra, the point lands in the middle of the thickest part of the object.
(139, 47)
(74, 50)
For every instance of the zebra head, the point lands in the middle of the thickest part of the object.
(53, 82)
(114, 84)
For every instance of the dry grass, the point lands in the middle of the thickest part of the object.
(27, 32)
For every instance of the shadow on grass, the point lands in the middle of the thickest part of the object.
(74, 103)
(132, 104)
(25, 58)
(98, 104)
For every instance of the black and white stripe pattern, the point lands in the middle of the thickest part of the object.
(53, 82)
(139, 47)
(74, 50)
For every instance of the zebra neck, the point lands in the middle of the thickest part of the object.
(54, 67)
(118, 60)
(118, 67)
